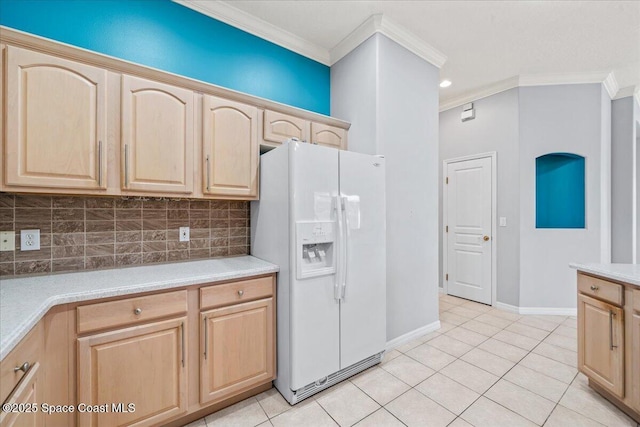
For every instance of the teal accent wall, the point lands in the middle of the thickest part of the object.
(170, 37)
(560, 191)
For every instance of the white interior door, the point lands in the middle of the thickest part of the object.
(363, 306)
(469, 239)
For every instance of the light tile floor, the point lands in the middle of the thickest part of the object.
(484, 367)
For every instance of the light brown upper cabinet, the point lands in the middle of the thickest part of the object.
(279, 127)
(157, 137)
(229, 149)
(55, 123)
(329, 136)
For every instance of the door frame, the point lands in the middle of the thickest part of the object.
(494, 210)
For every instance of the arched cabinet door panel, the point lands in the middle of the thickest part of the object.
(279, 127)
(329, 136)
(157, 137)
(230, 149)
(55, 123)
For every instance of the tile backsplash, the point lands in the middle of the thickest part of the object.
(87, 233)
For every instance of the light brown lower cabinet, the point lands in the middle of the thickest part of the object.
(609, 340)
(24, 408)
(137, 374)
(129, 361)
(238, 349)
(601, 343)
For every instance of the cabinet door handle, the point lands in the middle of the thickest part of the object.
(206, 338)
(99, 163)
(207, 166)
(126, 165)
(182, 341)
(611, 314)
(594, 288)
(24, 367)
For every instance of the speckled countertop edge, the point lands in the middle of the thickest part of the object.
(627, 273)
(24, 301)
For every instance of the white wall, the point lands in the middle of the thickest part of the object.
(495, 128)
(623, 167)
(573, 119)
(400, 121)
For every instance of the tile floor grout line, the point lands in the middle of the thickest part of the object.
(380, 405)
(558, 402)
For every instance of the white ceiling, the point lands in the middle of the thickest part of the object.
(485, 42)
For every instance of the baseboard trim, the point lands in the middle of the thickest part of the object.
(416, 333)
(544, 311)
(554, 311)
(440, 290)
(506, 307)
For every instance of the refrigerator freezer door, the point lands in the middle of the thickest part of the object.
(363, 307)
(315, 313)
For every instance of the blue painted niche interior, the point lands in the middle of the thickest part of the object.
(170, 37)
(560, 191)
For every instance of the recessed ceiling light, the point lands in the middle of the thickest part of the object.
(445, 83)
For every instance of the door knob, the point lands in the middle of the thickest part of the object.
(486, 238)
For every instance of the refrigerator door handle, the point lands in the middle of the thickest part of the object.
(345, 241)
(336, 289)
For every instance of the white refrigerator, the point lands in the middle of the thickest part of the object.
(321, 218)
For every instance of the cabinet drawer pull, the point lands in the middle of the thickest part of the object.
(207, 166)
(24, 367)
(594, 288)
(206, 338)
(611, 314)
(137, 311)
(241, 292)
(99, 163)
(126, 165)
(182, 341)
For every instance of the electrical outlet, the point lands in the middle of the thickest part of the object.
(184, 234)
(29, 240)
(7, 241)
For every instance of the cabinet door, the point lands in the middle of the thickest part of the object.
(230, 148)
(157, 137)
(238, 349)
(55, 123)
(28, 395)
(635, 355)
(279, 127)
(329, 136)
(601, 343)
(142, 365)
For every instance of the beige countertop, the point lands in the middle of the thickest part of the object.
(24, 301)
(627, 273)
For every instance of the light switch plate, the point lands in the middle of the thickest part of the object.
(29, 240)
(7, 241)
(503, 221)
(184, 234)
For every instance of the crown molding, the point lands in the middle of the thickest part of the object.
(629, 91)
(605, 78)
(235, 17)
(483, 92)
(383, 25)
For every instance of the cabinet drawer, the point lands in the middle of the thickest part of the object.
(601, 289)
(131, 310)
(27, 351)
(231, 293)
(636, 300)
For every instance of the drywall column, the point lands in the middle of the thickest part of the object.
(495, 128)
(390, 96)
(623, 169)
(570, 119)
